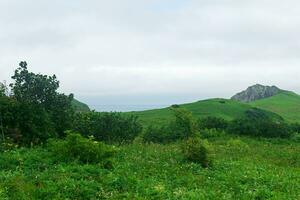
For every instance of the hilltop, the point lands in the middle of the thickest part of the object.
(224, 108)
(256, 92)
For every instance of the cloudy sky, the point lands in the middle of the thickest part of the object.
(153, 52)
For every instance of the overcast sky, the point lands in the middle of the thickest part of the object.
(153, 51)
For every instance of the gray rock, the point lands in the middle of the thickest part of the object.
(256, 92)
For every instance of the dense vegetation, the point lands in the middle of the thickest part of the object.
(243, 168)
(35, 111)
(214, 149)
(108, 127)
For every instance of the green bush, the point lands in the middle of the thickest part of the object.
(295, 127)
(212, 133)
(197, 150)
(157, 134)
(212, 123)
(182, 127)
(296, 137)
(258, 123)
(109, 127)
(237, 145)
(184, 124)
(7, 145)
(85, 150)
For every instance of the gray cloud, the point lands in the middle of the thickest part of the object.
(106, 50)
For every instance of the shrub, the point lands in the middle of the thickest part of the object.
(198, 151)
(184, 124)
(237, 145)
(175, 106)
(85, 150)
(108, 127)
(157, 134)
(182, 127)
(296, 137)
(212, 133)
(212, 123)
(7, 145)
(258, 123)
(295, 127)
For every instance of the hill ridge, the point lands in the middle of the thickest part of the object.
(256, 92)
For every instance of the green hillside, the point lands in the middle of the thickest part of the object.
(286, 104)
(79, 106)
(227, 109)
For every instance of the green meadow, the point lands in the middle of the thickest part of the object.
(243, 168)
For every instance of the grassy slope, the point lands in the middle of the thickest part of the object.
(79, 106)
(227, 109)
(286, 104)
(267, 169)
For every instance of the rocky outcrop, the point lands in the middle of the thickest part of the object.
(256, 92)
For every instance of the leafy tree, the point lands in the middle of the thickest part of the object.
(35, 111)
(184, 124)
(2, 90)
(108, 127)
(8, 108)
(34, 88)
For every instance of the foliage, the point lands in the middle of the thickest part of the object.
(212, 133)
(212, 123)
(157, 134)
(3, 89)
(7, 144)
(268, 170)
(257, 123)
(197, 150)
(108, 127)
(85, 150)
(296, 137)
(184, 125)
(295, 127)
(175, 106)
(35, 111)
(237, 145)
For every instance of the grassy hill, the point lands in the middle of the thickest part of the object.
(224, 108)
(286, 104)
(79, 106)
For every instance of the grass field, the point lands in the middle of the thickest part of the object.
(243, 168)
